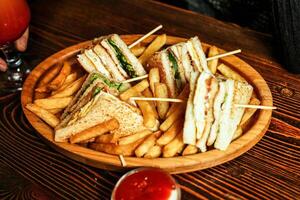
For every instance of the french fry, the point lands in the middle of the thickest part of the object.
(212, 64)
(229, 73)
(154, 152)
(137, 50)
(157, 43)
(183, 95)
(55, 110)
(147, 93)
(87, 141)
(175, 146)
(133, 138)
(107, 138)
(177, 114)
(161, 91)
(149, 142)
(149, 114)
(48, 117)
(249, 112)
(153, 78)
(135, 90)
(237, 133)
(71, 89)
(69, 80)
(59, 80)
(115, 149)
(72, 77)
(40, 95)
(189, 150)
(42, 89)
(48, 76)
(95, 131)
(51, 103)
(171, 133)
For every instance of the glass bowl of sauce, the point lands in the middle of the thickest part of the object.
(146, 183)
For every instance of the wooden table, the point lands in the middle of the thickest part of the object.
(31, 169)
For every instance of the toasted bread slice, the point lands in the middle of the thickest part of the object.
(86, 63)
(189, 128)
(101, 108)
(236, 93)
(107, 61)
(186, 62)
(161, 61)
(219, 100)
(209, 118)
(92, 56)
(201, 55)
(200, 101)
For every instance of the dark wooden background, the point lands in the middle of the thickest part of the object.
(29, 169)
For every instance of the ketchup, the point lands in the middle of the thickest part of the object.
(146, 183)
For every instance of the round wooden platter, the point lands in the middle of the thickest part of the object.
(178, 164)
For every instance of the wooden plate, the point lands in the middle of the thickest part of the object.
(176, 164)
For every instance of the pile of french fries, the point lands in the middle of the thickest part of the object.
(55, 91)
(57, 87)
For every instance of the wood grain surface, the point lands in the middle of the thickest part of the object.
(270, 170)
(179, 164)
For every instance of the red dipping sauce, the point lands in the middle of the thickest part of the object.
(146, 183)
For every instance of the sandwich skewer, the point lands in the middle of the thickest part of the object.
(174, 100)
(156, 99)
(224, 54)
(145, 36)
(122, 160)
(255, 106)
(136, 79)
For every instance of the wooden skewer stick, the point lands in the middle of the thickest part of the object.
(135, 79)
(224, 54)
(255, 106)
(144, 37)
(122, 160)
(180, 101)
(156, 99)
